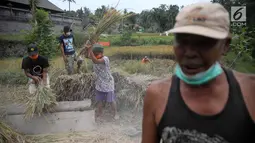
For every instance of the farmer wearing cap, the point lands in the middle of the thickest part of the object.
(104, 80)
(68, 51)
(35, 68)
(202, 102)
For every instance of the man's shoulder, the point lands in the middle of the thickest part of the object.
(43, 58)
(105, 57)
(61, 36)
(25, 58)
(245, 78)
(246, 82)
(159, 84)
(159, 88)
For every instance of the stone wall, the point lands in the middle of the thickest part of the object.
(16, 20)
(12, 49)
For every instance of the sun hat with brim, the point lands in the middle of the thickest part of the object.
(205, 19)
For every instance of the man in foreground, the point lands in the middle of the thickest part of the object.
(202, 102)
(35, 68)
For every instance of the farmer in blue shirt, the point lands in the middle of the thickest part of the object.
(68, 51)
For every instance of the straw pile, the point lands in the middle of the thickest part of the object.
(130, 90)
(8, 135)
(75, 87)
(111, 17)
(42, 101)
(80, 87)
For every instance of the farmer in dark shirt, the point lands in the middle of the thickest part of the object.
(68, 51)
(35, 68)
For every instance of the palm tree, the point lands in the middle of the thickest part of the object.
(69, 2)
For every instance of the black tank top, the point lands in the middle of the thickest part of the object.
(181, 125)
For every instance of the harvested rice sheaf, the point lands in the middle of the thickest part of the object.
(111, 17)
(42, 101)
(8, 135)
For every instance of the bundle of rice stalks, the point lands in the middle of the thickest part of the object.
(42, 101)
(75, 87)
(111, 17)
(8, 135)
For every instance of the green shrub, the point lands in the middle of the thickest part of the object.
(42, 34)
(134, 67)
(125, 38)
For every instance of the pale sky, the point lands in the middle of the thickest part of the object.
(131, 5)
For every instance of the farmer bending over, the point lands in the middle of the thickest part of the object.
(202, 102)
(35, 68)
(104, 81)
(145, 60)
(68, 51)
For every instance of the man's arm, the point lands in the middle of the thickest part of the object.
(25, 67)
(36, 79)
(149, 131)
(27, 73)
(82, 51)
(62, 51)
(45, 70)
(252, 96)
(247, 84)
(45, 75)
(74, 41)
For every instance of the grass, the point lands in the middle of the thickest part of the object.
(153, 68)
(11, 72)
(136, 40)
(163, 49)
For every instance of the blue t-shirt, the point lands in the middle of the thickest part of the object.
(68, 44)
